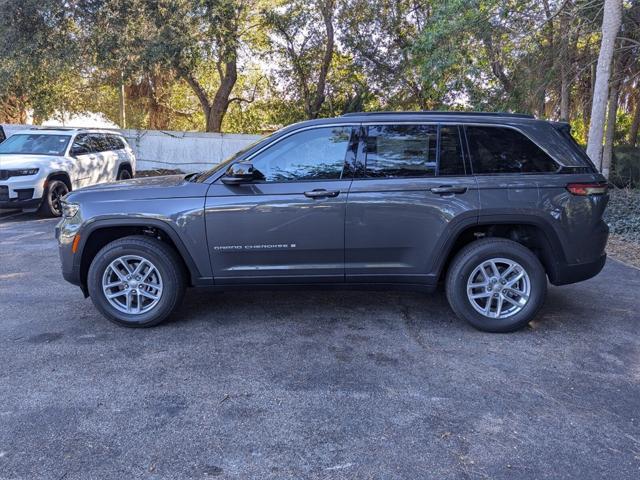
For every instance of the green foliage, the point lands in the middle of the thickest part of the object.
(254, 65)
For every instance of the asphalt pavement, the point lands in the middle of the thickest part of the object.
(311, 384)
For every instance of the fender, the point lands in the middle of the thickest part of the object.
(457, 227)
(197, 279)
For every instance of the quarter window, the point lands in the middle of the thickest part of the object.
(504, 150)
(315, 154)
(401, 151)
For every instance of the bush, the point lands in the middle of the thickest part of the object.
(623, 213)
(626, 167)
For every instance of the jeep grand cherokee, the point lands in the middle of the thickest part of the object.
(493, 205)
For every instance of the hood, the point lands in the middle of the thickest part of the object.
(16, 160)
(170, 186)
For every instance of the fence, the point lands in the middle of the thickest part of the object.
(184, 151)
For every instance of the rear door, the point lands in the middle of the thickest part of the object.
(288, 225)
(412, 190)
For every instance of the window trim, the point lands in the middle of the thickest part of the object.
(353, 162)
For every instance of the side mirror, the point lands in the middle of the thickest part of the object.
(239, 173)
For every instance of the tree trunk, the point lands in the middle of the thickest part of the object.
(564, 93)
(607, 153)
(635, 123)
(122, 103)
(610, 26)
(316, 104)
(565, 67)
(220, 102)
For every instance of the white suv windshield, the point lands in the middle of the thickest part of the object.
(35, 144)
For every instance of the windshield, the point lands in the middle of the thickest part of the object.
(207, 173)
(35, 144)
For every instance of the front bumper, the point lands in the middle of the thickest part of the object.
(65, 234)
(21, 192)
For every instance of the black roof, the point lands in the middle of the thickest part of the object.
(441, 113)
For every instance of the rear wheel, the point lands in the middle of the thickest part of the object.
(123, 174)
(136, 281)
(496, 284)
(53, 193)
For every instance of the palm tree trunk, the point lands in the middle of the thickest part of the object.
(610, 26)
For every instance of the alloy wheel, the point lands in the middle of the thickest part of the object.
(498, 288)
(132, 284)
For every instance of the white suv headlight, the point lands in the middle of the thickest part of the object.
(22, 172)
(69, 210)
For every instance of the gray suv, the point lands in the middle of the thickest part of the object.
(492, 205)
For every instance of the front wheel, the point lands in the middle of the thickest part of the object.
(497, 285)
(53, 193)
(136, 281)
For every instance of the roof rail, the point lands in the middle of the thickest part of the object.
(442, 112)
(65, 129)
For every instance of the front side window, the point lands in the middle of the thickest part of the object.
(315, 154)
(35, 144)
(83, 145)
(400, 151)
(496, 150)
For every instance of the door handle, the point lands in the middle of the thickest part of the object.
(445, 189)
(322, 193)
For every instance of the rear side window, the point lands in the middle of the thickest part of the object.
(401, 151)
(496, 150)
(101, 141)
(451, 157)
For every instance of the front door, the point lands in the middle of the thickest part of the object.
(84, 151)
(413, 187)
(288, 225)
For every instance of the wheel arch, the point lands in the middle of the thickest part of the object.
(533, 232)
(101, 232)
(59, 175)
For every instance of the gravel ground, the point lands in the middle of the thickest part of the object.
(327, 385)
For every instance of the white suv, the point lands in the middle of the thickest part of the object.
(38, 167)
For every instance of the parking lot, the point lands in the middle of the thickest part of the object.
(319, 384)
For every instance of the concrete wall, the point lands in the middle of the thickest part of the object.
(184, 151)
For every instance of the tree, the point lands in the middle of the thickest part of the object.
(610, 26)
(38, 59)
(305, 52)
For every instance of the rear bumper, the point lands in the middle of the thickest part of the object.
(566, 274)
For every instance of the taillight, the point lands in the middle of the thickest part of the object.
(584, 189)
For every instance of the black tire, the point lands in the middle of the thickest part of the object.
(123, 174)
(50, 206)
(166, 261)
(470, 257)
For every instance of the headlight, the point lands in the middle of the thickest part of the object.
(23, 172)
(69, 210)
